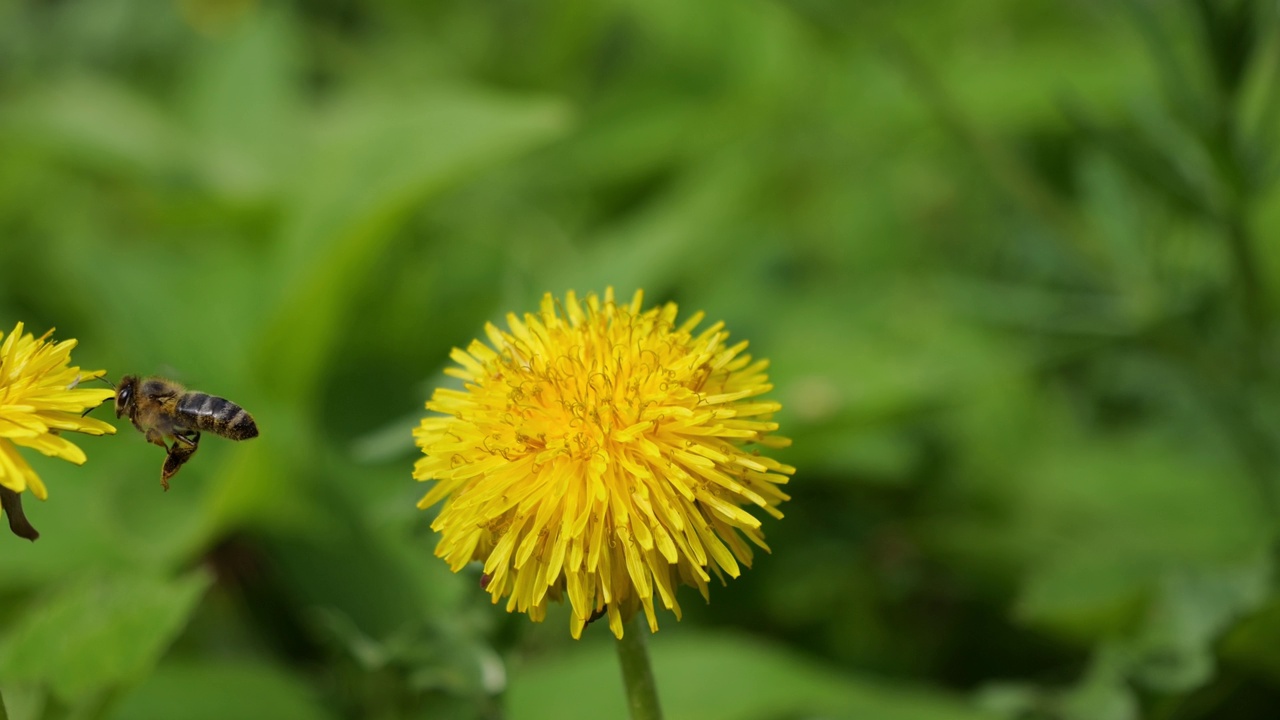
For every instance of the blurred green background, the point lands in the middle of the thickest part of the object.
(1015, 264)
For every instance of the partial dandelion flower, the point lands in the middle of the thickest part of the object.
(603, 452)
(40, 398)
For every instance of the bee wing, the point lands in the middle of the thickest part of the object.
(160, 390)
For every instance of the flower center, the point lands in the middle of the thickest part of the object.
(598, 392)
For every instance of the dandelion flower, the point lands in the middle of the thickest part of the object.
(603, 452)
(40, 398)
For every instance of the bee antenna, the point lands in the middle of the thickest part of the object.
(95, 407)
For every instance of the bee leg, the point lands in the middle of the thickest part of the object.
(183, 448)
(155, 437)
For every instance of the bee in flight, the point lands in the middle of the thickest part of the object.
(161, 409)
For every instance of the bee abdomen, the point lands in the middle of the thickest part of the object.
(209, 413)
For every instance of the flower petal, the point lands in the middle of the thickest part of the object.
(40, 398)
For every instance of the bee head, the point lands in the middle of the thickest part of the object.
(125, 394)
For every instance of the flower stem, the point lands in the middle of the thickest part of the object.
(4, 714)
(637, 673)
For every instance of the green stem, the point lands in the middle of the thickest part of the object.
(4, 714)
(637, 673)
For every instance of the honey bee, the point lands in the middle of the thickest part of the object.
(161, 409)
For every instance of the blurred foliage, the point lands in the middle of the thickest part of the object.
(1013, 263)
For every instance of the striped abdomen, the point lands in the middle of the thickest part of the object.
(208, 413)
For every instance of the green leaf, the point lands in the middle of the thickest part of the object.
(1102, 694)
(1114, 517)
(707, 676)
(98, 633)
(1252, 643)
(220, 689)
(376, 159)
(877, 373)
(242, 103)
(1083, 596)
(95, 121)
(1176, 650)
(670, 233)
(109, 516)
(1161, 155)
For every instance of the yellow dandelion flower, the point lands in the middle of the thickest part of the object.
(601, 451)
(40, 398)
